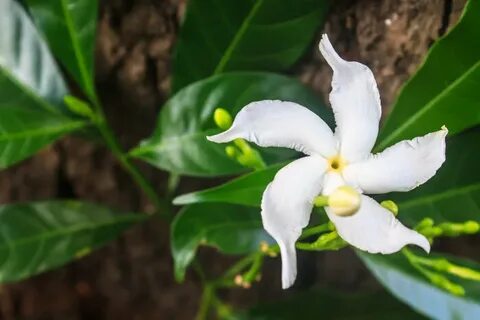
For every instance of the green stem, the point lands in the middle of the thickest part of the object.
(205, 302)
(315, 230)
(320, 201)
(172, 184)
(239, 266)
(117, 151)
(254, 268)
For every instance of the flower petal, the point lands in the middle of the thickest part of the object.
(275, 123)
(375, 229)
(402, 167)
(286, 207)
(356, 103)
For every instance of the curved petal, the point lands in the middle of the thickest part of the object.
(356, 103)
(275, 123)
(375, 229)
(286, 207)
(402, 167)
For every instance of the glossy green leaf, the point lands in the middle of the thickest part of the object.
(179, 142)
(408, 285)
(245, 190)
(32, 113)
(252, 35)
(69, 27)
(444, 91)
(231, 229)
(331, 304)
(29, 77)
(23, 132)
(454, 193)
(36, 237)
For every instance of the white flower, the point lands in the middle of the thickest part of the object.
(334, 160)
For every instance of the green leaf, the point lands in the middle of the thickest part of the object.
(69, 27)
(230, 229)
(29, 77)
(179, 142)
(245, 190)
(36, 237)
(454, 193)
(331, 304)
(444, 91)
(408, 285)
(32, 113)
(23, 132)
(219, 36)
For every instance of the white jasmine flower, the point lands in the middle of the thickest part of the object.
(334, 160)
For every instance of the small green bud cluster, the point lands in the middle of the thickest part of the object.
(436, 268)
(442, 282)
(428, 228)
(240, 150)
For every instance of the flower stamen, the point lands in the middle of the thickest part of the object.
(336, 164)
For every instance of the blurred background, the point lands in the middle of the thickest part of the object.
(132, 278)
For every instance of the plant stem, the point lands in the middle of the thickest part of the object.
(172, 184)
(236, 269)
(315, 230)
(117, 151)
(205, 302)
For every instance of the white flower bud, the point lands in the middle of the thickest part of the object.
(344, 201)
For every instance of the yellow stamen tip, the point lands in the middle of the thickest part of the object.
(336, 164)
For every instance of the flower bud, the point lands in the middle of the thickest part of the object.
(264, 247)
(390, 206)
(471, 227)
(222, 118)
(231, 151)
(238, 280)
(446, 284)
(344, 201)
(425, 223)
(78, 106)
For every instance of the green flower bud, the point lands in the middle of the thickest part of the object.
(390, 206)
(78, 106)
(446, 284)
(471, 227)
(222, 118)
(425, 223)
(231, 151)
(243, 145)
(463, 272)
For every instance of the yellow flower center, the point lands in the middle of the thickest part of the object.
(336, 164)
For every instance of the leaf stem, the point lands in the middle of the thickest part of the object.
(316, 230)
(161, 206)
(205, 302)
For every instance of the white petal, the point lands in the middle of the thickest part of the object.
(286, 207)
(356, 103)
(274, 123)
(402, 167)
(375, 229)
